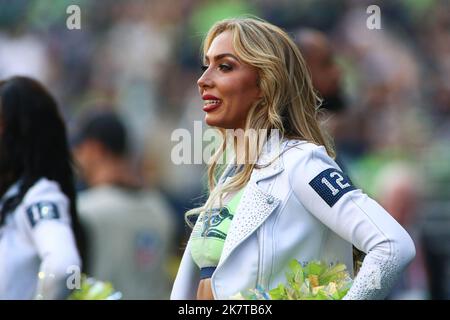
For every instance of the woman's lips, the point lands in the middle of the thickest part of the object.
(211, 105)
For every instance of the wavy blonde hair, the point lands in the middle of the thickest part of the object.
(289, 103)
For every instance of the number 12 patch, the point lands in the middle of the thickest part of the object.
(42, 211)
(331, 185)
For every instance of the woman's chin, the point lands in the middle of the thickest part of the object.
(213, 121)
(218, 122)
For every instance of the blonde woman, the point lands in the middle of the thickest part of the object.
(293, 202)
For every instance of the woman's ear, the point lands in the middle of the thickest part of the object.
(261, 98)
(260, 94)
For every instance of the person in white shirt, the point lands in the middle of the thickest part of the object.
(287, 198)
(117, 203)
(38, 223)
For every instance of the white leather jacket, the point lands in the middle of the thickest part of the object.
(302, 207)
(37, 245)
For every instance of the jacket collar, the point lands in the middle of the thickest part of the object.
(269, 162)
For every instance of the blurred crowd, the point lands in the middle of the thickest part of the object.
(387, 102)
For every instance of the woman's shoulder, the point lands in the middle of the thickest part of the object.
(296, 150)
(45, 190)
(306, 159)
(43, 201)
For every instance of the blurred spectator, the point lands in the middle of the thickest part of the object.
(398, 187)
(130, 230)
(326, 75)
(325, 72)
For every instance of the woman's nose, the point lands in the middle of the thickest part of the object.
(205, 80)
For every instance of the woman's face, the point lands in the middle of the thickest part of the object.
(228, 86)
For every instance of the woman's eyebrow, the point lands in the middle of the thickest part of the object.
(223, 55)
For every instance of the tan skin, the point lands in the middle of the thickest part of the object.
(235, 84)
(231, 81)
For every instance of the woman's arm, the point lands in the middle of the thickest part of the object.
(325, 192)
(47, 224)
(59, 258)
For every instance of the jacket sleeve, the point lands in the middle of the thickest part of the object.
(328, 194)
(47, 222)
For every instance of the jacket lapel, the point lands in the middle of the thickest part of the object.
(256, 205)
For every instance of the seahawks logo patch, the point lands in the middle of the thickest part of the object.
(331, 185)
(42, 211)
(212, 229)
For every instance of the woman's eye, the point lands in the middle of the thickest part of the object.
(222, 67)
(225, 67)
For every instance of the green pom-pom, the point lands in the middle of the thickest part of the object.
(315, 281)
(92, 289)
